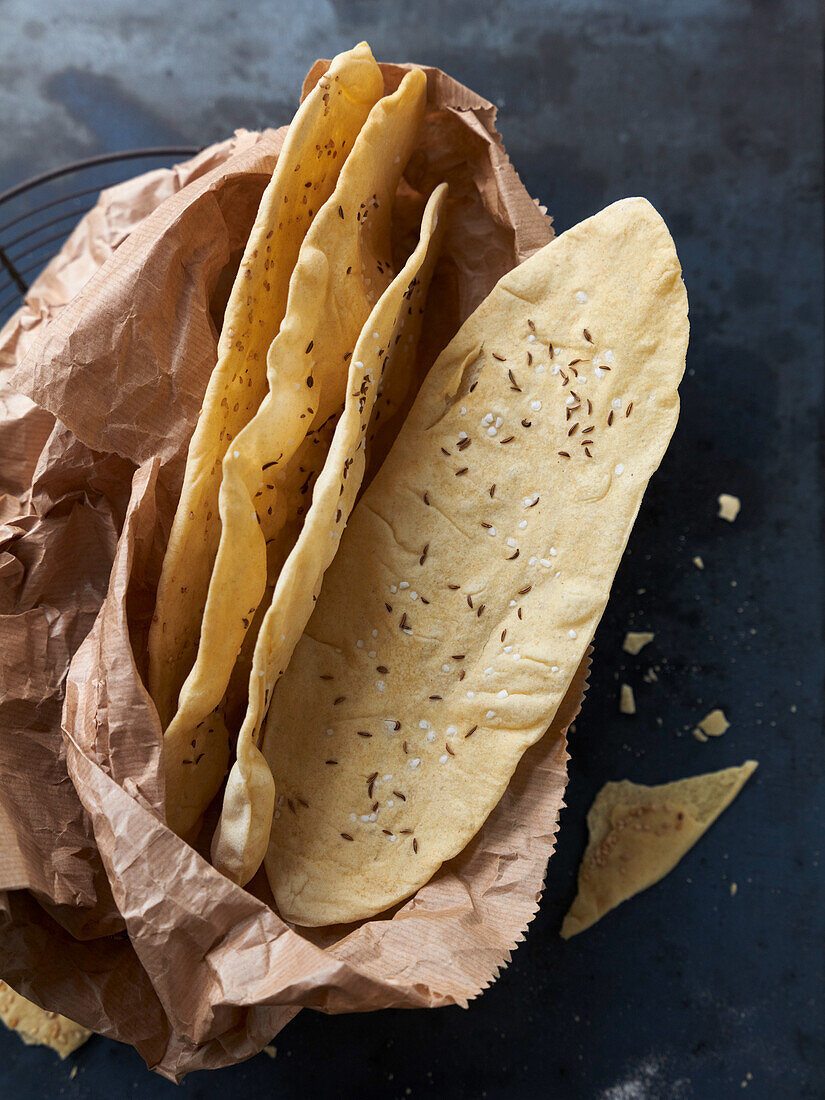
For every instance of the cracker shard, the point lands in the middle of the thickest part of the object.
(638, 834)
(569, 518)
(35, 1025)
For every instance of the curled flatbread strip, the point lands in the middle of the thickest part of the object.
(37, 1026)
(474, 569)
(387, 344)
(268, 472)
(638, 834)
(317, 144)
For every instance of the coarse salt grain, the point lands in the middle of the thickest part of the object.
(581, 296)
(414, 762)
(423, 724)
(443, 759)
(511, 542)
(522, 524)
(535, 405)
(431, 735)
(404, 584)
(619, 469)
(381, 685)
(571, 633)
(471, 695)
(492, 431)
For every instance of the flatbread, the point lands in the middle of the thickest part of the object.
(36, 1026)
(316, 146)
(638, 834)
(387, 345)
(268, 472)
(475, 569)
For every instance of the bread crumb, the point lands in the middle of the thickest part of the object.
(635, 641)
(270, 1051)
(650, 677)
(728, 507)
(627, 704)
(697, 733)
(733, 889)
(697, 561)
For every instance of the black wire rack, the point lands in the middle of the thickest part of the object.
(40, 213)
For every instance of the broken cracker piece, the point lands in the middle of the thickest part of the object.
(639, 833)
(728, 507)
(715, 723)
(635, 641)
(35, 1025)
(627, 702)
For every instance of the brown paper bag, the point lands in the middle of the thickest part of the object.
(106, 915)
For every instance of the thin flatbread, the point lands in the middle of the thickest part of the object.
(475, 569)
(37, 1026)
(268, 472)
(316, 146)
(638, 834)
(387, 345)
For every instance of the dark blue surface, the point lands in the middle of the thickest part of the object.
(713, 110)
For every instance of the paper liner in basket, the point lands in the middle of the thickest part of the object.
(106, 915)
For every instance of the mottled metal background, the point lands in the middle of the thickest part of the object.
(713, 110)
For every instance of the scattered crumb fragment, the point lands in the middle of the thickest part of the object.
(627, 703)
(733, 889)
(697, 561)
(728, 507)
(715, 723)
(637, 834)
(697, 733)
(650, 677)
(270, 1051)
(635, 641)
(73, 1073)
